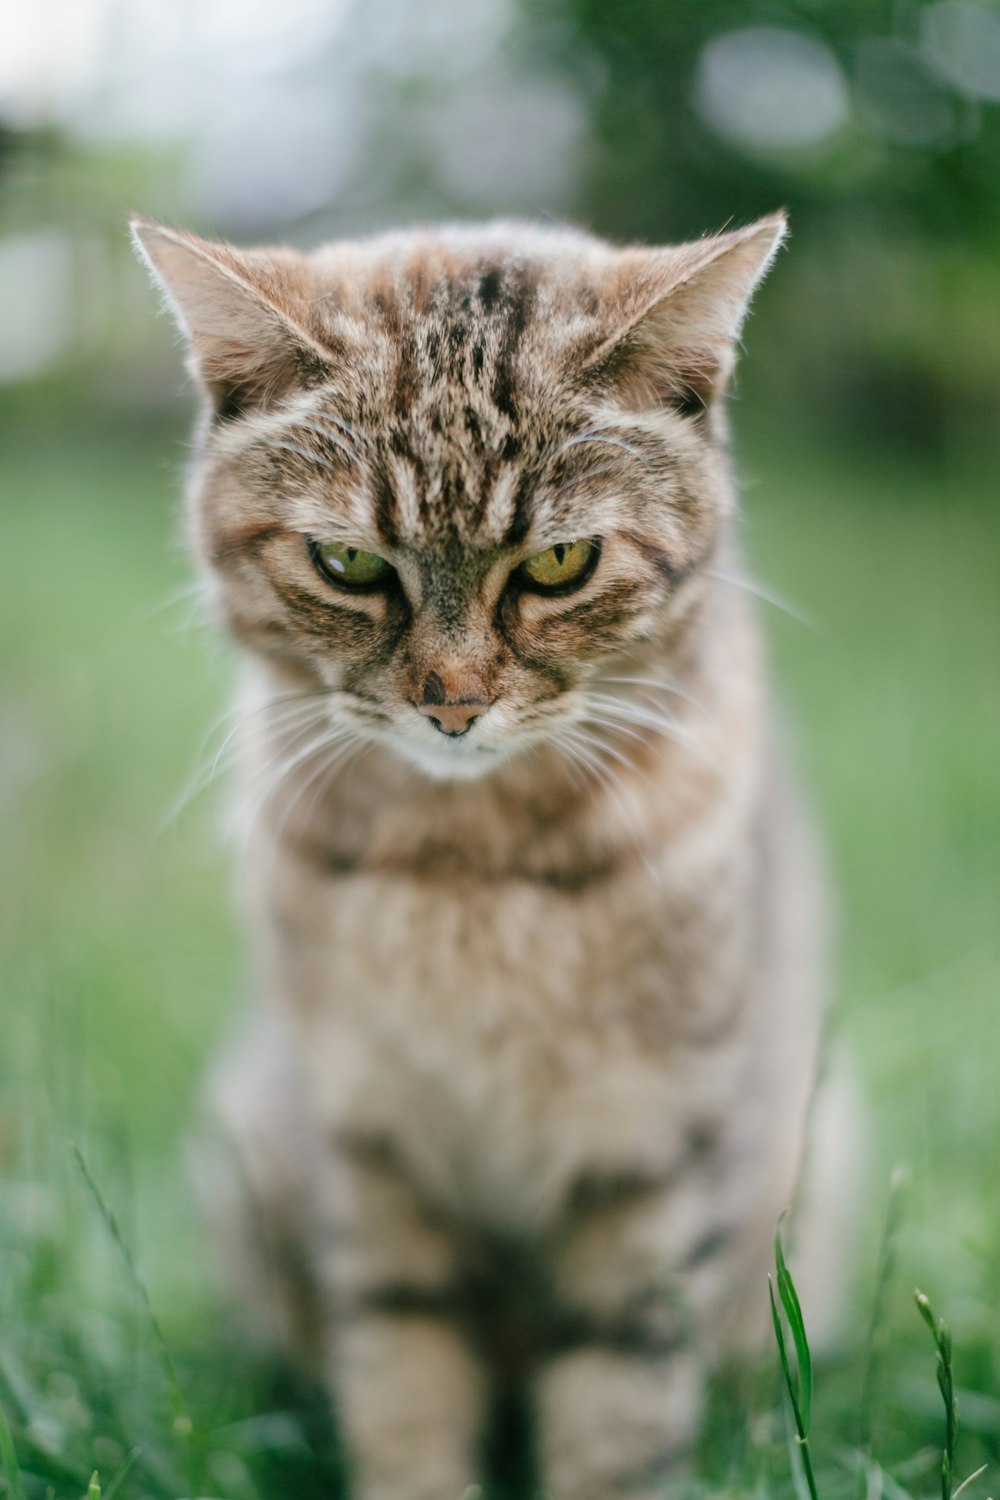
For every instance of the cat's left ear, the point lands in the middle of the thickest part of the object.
(672, 317)
(245, 316)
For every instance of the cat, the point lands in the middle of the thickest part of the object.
(536, 914)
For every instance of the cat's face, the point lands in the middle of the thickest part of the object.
(453, 478)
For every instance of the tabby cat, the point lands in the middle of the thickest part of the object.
(534, 912)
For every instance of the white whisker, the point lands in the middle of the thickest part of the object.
(342, 749)
(199, 591)
(606, 439)
(587, 750)
(616, 712)
(759, 592)
(314, 458)
(285, 711)
(330, 736)
(334, 438)
(660, 684)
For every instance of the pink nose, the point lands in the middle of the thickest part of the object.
(452, 718)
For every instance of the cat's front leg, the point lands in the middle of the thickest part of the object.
(619, 1399)
(409, 1390)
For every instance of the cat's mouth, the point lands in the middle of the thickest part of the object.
(448, 756)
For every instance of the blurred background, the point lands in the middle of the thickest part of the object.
(867, 434)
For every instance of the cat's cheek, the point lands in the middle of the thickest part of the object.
(585, 628)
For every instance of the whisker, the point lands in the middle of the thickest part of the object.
(660, 684)
(620, 712)
(607, 749)
(333, 437)
(604, 438)
(759, 592)
(331, 735)
(341, 752)
(199, 590)
(294, 708)
(578, 743)
(314, 458)
(582, 479)
(619, 728)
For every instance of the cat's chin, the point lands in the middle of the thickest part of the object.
(452, 761)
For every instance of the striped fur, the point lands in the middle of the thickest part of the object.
(541, 1010)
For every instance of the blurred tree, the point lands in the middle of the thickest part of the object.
(876, 125)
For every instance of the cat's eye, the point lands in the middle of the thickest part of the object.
(567, 565)
(350, 567)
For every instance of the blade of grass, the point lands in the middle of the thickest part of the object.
(122, 1472)
(801, 1386)
(786, 1369)
(793, 1312)
(883, 1277)
(8, 1455)
(946, 1385)
(182, 1420)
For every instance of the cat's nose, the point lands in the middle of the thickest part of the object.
(452, 715)
(452, 718)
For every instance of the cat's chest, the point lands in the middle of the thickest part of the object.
(504, 1032)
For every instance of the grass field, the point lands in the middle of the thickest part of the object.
(120, 966)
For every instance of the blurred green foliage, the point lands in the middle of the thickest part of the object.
(884, 324)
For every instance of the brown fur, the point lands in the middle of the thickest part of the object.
(541, 1014)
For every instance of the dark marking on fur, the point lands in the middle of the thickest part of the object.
(386, 509)
(310, 369)
(635, 1335)
(408, 381)
(403, 1299)
(328, 618)
(229, 401)
(520, 521)
(713, 1242)
(474, 429)
(668, 570)
(434, 692)
(512, 299)
(490, 284)
(371, 1149)
(228, 547)
(597, 1192)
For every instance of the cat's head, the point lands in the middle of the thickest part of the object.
(450, 476)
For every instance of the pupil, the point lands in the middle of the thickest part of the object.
(352, 553)
(560, 552)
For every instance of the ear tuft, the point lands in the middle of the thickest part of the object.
(242, 314)
(676, 314)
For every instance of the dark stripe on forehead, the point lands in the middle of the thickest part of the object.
(407, 381)
(490, 286)
(386, 509)
(520, 521)
(454, 495)
(519, 291)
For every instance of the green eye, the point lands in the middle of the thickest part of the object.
(564, 566)
(349, 566)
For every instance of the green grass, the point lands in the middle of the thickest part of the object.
(121, 965)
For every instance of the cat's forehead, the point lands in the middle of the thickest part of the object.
(462, 392)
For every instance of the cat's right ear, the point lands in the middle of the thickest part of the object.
(246, 326)
(672, 317)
